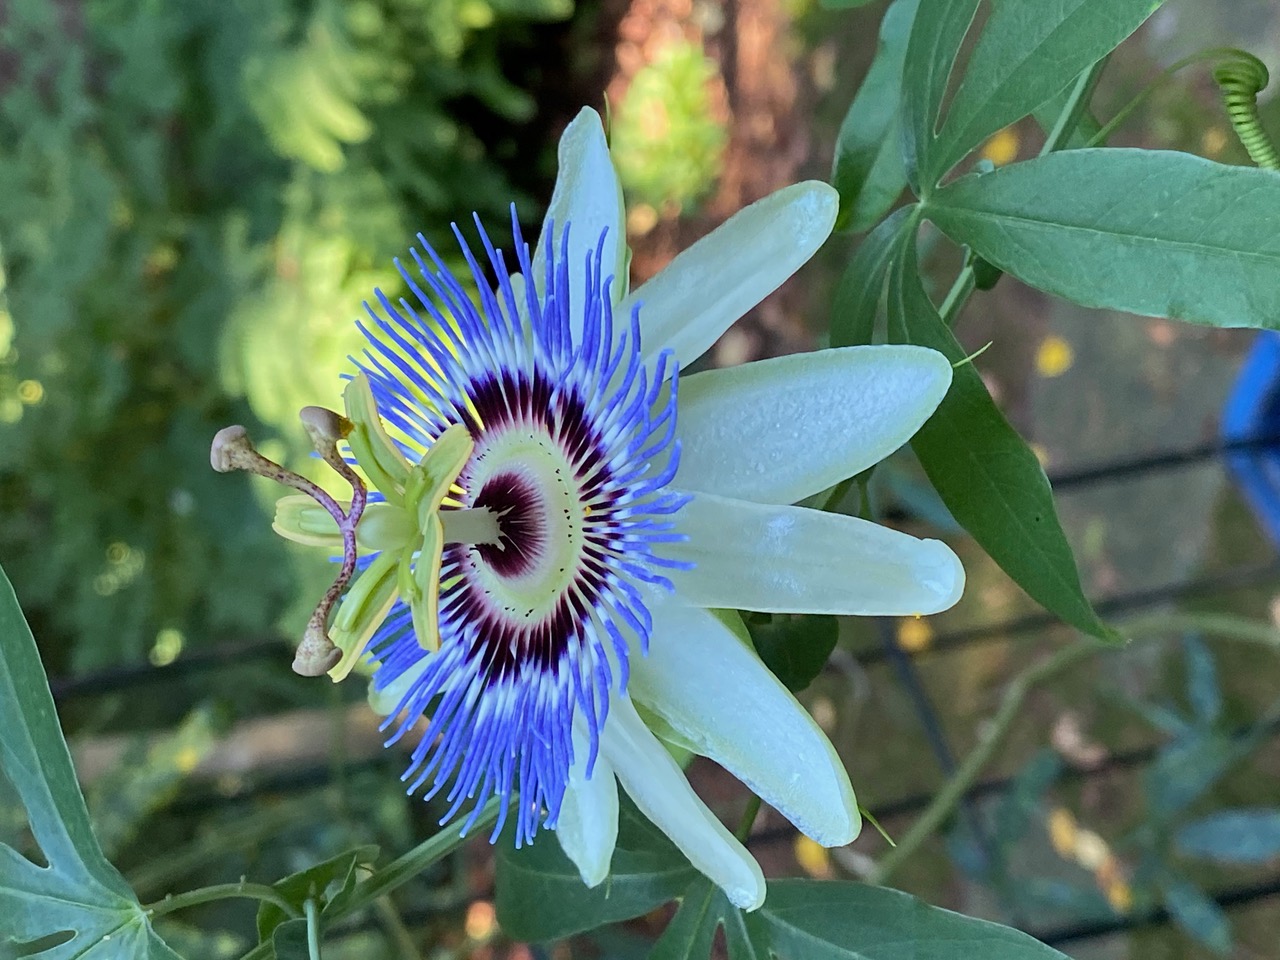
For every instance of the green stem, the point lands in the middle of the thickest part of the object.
(1204, 56)
(1077, 103)
(396, 931)
(1223, 625)
(958, 294)
(221, 891)
(407, 866)
(1068, 119)
(946, 800)
(244, 834)
(394, 875)
(1145, 628)
(748, 819)
(313, 929)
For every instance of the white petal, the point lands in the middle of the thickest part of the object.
(588, 824)
(751, 556)
(712, 687)
(588, 198)
(714, 282)
(777, 431)
(659, 788)
(384, 702)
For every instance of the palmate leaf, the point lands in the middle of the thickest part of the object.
(858, 295)
(1153, 232)
(79, 893)
(1028, 52)
(867, 170)
(827, 920)
(1188, 768)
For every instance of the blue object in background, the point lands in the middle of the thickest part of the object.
(1251, 418)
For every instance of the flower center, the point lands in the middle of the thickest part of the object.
(528, 470)
(555, 522)
(521, 512)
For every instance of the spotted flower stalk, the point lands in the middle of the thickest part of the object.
(560, 517)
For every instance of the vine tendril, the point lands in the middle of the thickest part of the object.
(1241, 78)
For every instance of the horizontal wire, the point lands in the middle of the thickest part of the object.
(127, 676)
(1157, 917)
(136, 675)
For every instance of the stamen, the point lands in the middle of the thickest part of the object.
(232, 449)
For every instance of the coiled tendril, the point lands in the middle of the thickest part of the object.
(1241, 78)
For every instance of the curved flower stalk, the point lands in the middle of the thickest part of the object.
(559, 513)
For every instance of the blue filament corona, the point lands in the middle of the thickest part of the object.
(503, 694)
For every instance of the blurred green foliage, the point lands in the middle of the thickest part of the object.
(667, 142)
(195, 202)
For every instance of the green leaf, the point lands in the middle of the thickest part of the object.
(985, 473)
(1196, 913)
(828, 920)
(867, 170)
(540, 895)
(311, 883)
(1248, 835)
(1082, 131)
(289, 940)
(1203, 691)
(795, 647)
(80, 892)
(939, 28)
(1029, 51)
(1185, 770)
(692, 930)
(1025, 797)
(843, 4)
(807, 920)
(853, 312)
(1153, 232)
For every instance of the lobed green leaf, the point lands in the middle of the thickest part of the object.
(985, 473)
(858, 294)
(807, 920)
(828, 920)
(79, 892)
(1029, 51)
(867, 170)
(1157, 233)
(939, 28)
(1185, 770)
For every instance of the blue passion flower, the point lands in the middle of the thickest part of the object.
(559, 516)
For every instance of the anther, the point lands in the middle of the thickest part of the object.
(232, 450)
(324, 425)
